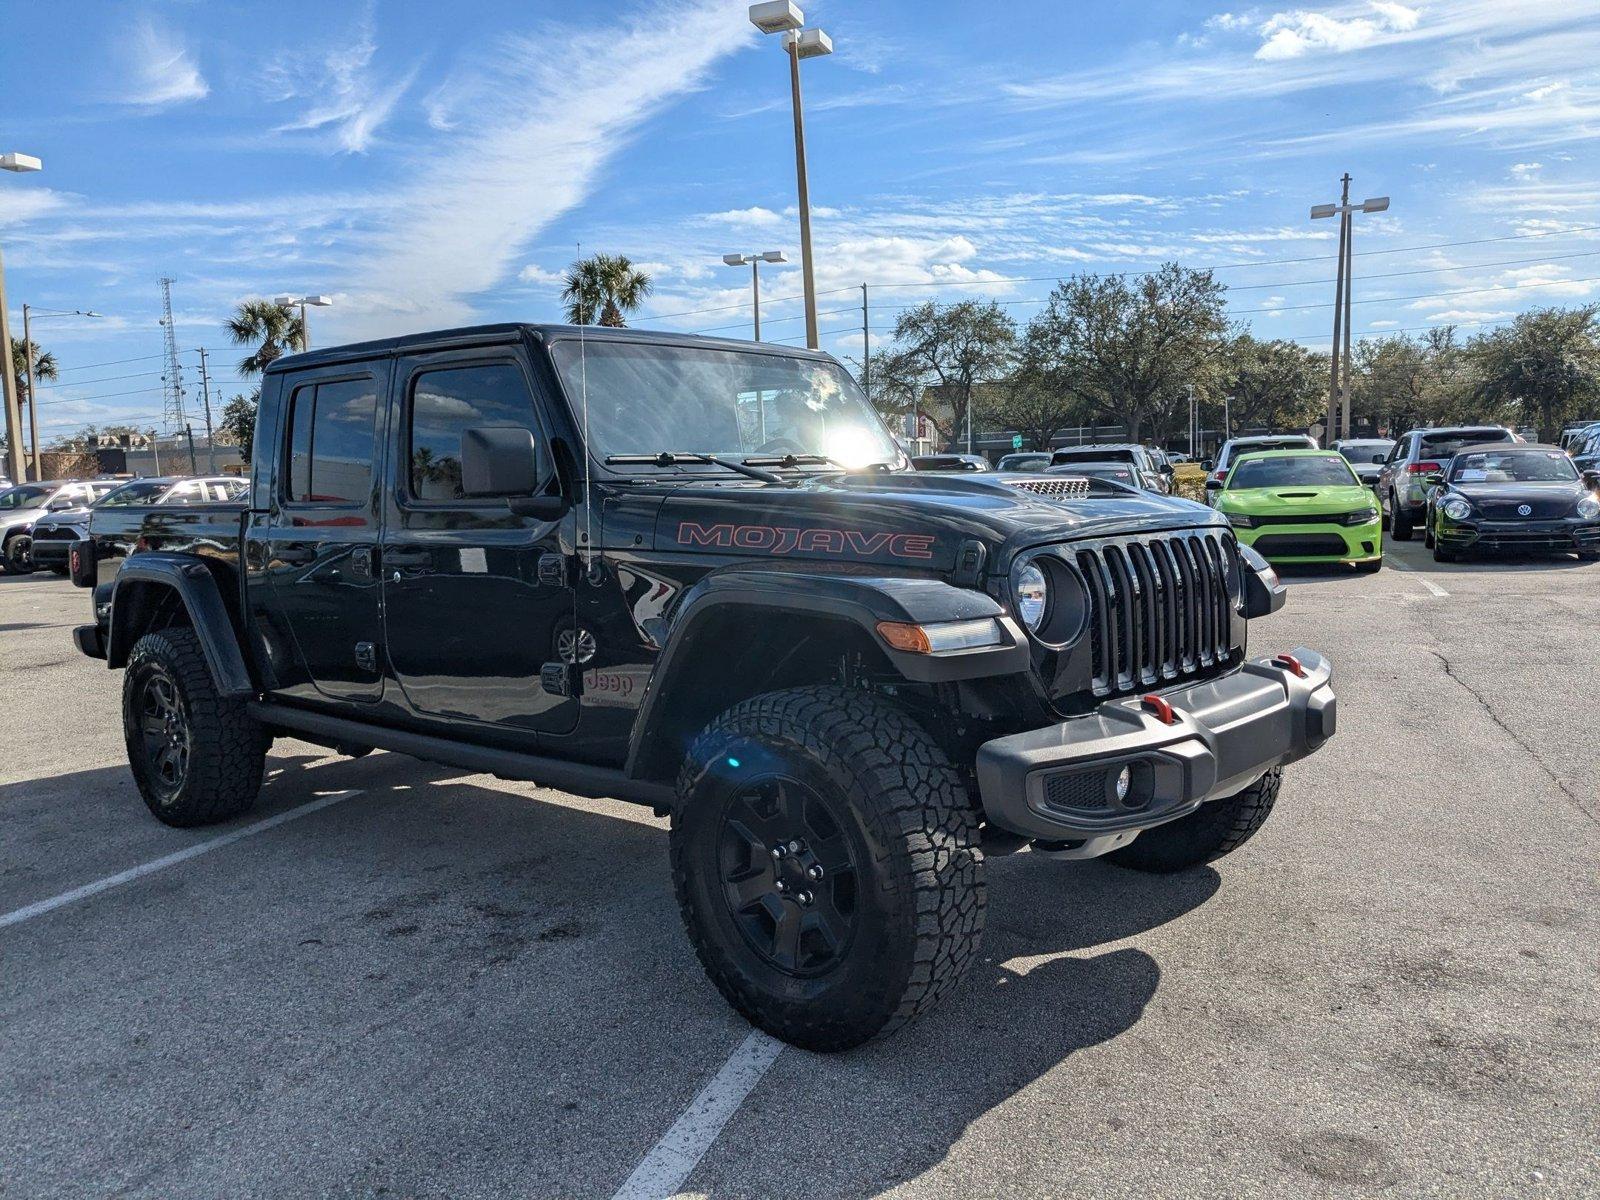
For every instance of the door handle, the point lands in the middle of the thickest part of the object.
(293, 556)
(407, 558)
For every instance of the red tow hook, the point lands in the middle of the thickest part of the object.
(1291, 664)
(1159, 708)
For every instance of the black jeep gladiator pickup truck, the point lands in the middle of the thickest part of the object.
(701, 575)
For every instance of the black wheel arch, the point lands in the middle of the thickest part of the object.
(158, 591)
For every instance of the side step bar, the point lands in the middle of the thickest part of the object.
(580, 779)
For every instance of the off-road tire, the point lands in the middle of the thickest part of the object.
(1400, 524)
(1216, 828)
(227, 747)
(918, 875)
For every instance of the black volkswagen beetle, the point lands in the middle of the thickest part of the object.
(1513, 496)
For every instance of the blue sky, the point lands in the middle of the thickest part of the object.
(437, 164)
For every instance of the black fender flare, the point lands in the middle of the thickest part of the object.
(196, 589)
(861, 600)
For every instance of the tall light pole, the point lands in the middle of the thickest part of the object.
(302, 301)
(783, 16)
(755, 261)
(17, 163)
(1339, 366)
(30, 362)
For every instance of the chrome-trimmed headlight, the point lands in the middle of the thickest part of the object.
(1588, 508)
(1030, 592)
(1456, 508)
(1361, 516)
(1241, 520)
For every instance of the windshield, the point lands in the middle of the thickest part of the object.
(1366, 452)
(24, 497)
(1443, 445)
(643, 399)
(1308, 470)
(1513, 466)
(137, 492)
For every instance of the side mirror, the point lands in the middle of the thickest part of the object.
(1435, 480)
(1168, 469)
(58, 506)
(1213, 485)
(1264, 592)
(502, 461)
(1207, 464)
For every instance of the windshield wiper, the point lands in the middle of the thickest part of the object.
(810, 460)
(671, 458)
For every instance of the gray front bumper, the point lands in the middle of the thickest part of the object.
(1057, 784)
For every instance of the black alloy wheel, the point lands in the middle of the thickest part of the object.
(788, 875)
(164, 732)
(19, 554)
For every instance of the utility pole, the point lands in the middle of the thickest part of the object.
(155, 448)
(866, 347)
(194, 467)
(1227, 417)
(16, 469)
(1339, 360)
(205, 399)
(1194, 454)
(33, 401)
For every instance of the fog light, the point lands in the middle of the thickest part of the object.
(1124, 782)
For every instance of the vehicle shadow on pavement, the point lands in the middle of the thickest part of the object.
(1043, 990)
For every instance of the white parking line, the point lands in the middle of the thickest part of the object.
(1422, 579)
(682, 1147)
(18, 915)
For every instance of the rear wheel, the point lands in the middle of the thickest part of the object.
(1216, 828)
(197, 756)
(1399, 520)
(825, 857)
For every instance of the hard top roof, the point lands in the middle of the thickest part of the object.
(513, 331)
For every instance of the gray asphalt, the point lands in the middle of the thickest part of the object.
(448, 986)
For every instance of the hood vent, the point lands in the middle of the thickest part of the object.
(1057, 487)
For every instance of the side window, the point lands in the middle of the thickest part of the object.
(184, 493)
(331, 442)
(447, 402)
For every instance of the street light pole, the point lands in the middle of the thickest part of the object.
(755, 261)
(30, 365)
(1339, 364)
(302, 301)
(8, 379)
(783, 16)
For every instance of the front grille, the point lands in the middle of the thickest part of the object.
(1305, 519)
(56, 533)
(1158, 607)
(1299, 545)
(1066, 487)
(1506, 510)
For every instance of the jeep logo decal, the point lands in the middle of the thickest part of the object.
(770, 539)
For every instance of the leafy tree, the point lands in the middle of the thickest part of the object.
(237, 425)
(1275, 385)
(607, 284)
(1402, 382)
(1547, 362)
(274, 329)
(957, 347)
(893, 384)
(44, 367)
(1129, 348)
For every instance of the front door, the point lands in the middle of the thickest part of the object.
(475, 596)
(316, 549)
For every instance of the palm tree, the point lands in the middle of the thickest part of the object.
(272, 328)
(607, 284)
(44, 367)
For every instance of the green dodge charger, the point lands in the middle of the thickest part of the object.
(1302, 506)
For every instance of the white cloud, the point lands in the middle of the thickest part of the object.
(549, 111)
(160, 70)
(754, 215)
(1292, 34)
(344, 97)
(533, 273)
(1526, 171)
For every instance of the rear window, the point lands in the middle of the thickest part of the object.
(1443, 445)
(1070, 456)
(1319, 470)
(331, 442)
(1366, 452)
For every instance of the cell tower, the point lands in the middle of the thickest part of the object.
(172, 370)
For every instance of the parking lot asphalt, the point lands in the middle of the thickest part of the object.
(442, 985)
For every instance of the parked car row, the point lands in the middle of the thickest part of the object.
(41, 522)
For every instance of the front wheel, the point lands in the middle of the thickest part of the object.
(19, 554)
(197, 756)
(825, 857)
(1216, 828)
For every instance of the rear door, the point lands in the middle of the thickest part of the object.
(475, 597)
(316, 548)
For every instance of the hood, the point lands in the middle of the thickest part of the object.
(908, 519)
(66, 516)
(1311, 501)
(10, 518)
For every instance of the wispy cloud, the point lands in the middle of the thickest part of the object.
(1293, 34)
(344, 96)
(159, 68)
(550, 111)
